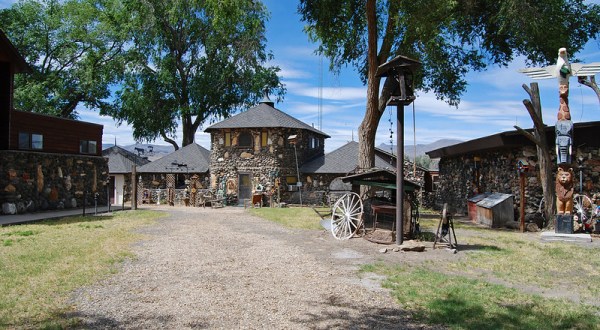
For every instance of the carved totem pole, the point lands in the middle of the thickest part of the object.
(564, 139)
(563, 70)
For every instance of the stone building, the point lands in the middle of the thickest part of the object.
(261, 149)
(322, 174)
(46, 162)
(489, 164)
(181, 165)
(120, 164)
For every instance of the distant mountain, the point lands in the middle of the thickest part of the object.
(409, 150)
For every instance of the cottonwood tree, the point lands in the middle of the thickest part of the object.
(449, 37)
(193, 61)
(75, 49)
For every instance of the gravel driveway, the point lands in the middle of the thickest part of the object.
(223, 268)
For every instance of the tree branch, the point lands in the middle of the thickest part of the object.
(591, 83)
(529, 136)
(537, 121)
(169, 140)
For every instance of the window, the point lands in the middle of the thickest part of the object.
(227, 139)
(87, 147)
(264, 138)
(245, 139)
(291, 179)
(314, 142)
(31, 141)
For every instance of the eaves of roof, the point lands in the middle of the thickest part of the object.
(192, 158)
(263, 116)
(583, 133)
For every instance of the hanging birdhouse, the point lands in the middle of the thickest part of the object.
(402, 69)
(522, 166)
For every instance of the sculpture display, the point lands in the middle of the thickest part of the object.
(562, 71)
(564, 191)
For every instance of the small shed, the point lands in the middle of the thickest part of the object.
(472, 205)
(495, 210)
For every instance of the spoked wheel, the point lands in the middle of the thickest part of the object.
(583, 207)
(346, 216)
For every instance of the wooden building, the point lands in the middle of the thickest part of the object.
(46, 162)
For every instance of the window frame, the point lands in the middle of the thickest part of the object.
(32, 142)
(84, 147)
(250, 138)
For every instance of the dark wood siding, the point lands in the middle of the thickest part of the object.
(5, 102)
(60, 135)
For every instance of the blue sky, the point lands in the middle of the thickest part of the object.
(492, 103)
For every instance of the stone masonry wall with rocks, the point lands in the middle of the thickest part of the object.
(317, 187)
(265, 164)
(33, 181)
(496, 172)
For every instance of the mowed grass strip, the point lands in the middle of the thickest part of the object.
(499, 281)
(292, 217)
(42, 263)
(464, 303)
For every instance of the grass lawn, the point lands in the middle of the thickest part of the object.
(293, 217)
(497, 284)
(42, 263)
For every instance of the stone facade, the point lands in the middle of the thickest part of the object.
(464, 176)
(33, 181)
(266, 163)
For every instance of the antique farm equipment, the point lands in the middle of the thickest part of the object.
(346, 216)
(349, 211)
(445, 235)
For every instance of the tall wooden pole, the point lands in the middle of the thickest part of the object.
(134, 184)
(400, 165)
(522, 211)
(400, 176)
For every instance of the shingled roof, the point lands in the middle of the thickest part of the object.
(192, 158)
(120, 161)
(264, 115)
(342, 160)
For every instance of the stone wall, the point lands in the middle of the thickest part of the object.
(265, 164)
(317, 187)
(33, 181)
(496, 172)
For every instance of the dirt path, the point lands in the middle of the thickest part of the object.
(204, 268)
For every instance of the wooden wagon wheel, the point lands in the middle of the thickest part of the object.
(346, 216)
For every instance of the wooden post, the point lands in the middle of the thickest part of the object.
(134, 183)
(522, 213)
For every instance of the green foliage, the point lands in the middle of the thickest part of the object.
(193, 61)
(450, 38)
(423, 161)
(152, 64)
(75, 50)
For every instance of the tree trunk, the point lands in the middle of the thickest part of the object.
(534, 107)
(188, 130)
(591, 83)
(368, 127)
